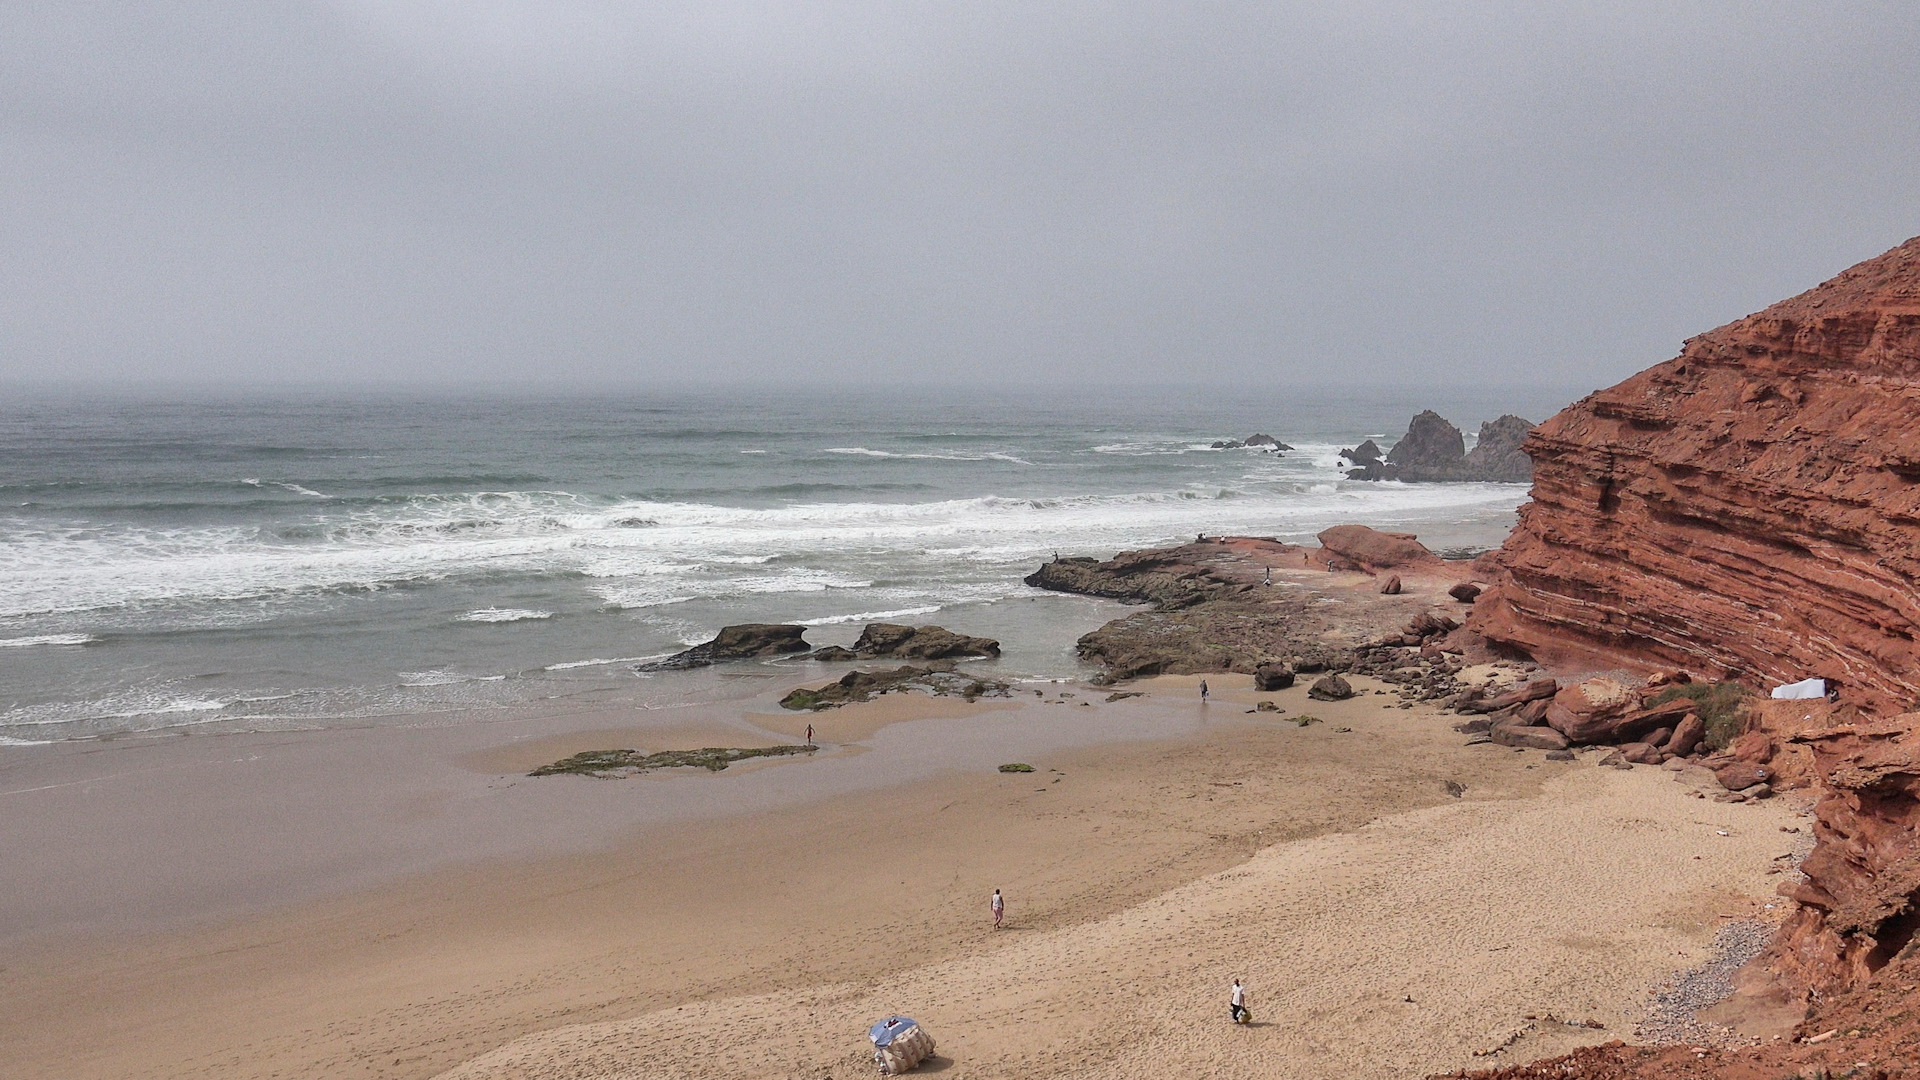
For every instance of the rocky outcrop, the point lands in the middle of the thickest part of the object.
(938, 679)
(743, 642)
(1433, 450)
(1748, 508)
(1166, 577)
(1369, 464)
(899, 642)
(1430, 445)
(1358, 547)
(1256, 441)
(1860, 899)
(1498, 455)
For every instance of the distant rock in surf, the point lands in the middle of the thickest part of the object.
(1433, 450)
(1255, 441)
(743, 642)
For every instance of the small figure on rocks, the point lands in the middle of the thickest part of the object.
(1237, 1007)
(1268, 580)
(999, 907)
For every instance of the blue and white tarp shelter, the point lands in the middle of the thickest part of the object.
(899, 1044)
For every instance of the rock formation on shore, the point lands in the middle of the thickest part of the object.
(1749, 507)
(938, 678)
(1210, 612)
(1433, 450)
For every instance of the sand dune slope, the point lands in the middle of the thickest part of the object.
(1575, 903)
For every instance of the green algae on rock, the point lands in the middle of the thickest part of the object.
(607, 764)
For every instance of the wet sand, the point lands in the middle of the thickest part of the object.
(379, 903)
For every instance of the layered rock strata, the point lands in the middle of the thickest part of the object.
(1748, 508)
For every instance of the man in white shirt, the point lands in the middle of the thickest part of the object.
(999, 907)
(1238, 1010)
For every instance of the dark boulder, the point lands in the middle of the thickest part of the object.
(1466, 592)
(1269, 677)
(895, 641)
(1391, 587)
(1331, 688)
(743, 642)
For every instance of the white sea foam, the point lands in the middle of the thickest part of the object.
(869, 616)
(130, 705)
(254, 481)
(690, 550)
(47, 639)
(861, 451)
(6, 741)
(498, 615)
(571, 664)
(443, 678)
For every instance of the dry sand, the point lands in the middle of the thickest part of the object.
(1332, 870)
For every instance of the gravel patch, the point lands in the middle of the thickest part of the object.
(1670, 1015)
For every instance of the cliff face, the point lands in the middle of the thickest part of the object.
(1750, 507)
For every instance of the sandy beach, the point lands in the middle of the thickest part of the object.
(421, 908)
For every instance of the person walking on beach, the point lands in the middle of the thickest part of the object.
(809, 734)
(999, 907)
(1203, 691)
(1237, 1007)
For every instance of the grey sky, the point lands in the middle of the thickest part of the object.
(592, 191)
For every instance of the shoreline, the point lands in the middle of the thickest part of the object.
(414, 973)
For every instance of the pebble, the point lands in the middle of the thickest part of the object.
(1670, 1015)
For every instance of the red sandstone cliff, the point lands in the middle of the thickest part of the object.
(1751, 506)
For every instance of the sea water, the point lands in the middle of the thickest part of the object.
(278, 561)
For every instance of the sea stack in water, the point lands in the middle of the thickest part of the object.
(1434, 450)
(1751, 506)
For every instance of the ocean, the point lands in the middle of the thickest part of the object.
(298, 560)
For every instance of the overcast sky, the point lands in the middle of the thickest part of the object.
(609, 193)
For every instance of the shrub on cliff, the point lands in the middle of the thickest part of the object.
(1721, 706)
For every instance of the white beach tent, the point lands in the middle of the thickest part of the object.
(1805, 688)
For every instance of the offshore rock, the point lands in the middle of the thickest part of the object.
(1433, 450)
(1431, 445)
(1497, 453)
(896, 641)
(1747, 508)
(1269, 677)
(742, 642)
